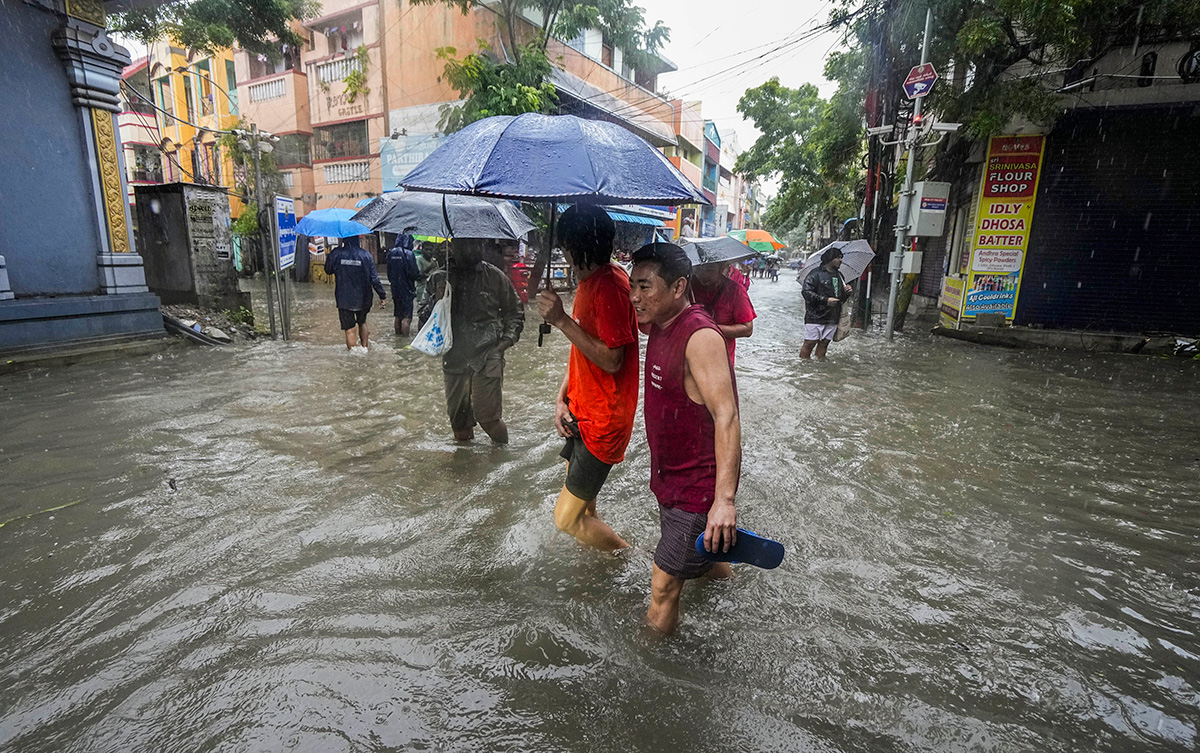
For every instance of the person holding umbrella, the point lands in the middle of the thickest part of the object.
(725, 300)
(354, 276)
(598, 398)
(350, 264)
(486, 318)
(824, 290)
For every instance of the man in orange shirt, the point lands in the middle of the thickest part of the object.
(598, 397)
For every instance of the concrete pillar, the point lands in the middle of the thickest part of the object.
(94, 64)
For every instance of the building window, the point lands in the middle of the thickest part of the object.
(261, 65)
(187, 98)
(204, 85)
(294, 149)
(341, 140)
(165, 100)
(144, 163)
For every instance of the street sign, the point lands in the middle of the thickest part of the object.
(920, 80)
(285, 227)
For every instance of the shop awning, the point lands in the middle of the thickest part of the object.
(633, 218)
(616, 216)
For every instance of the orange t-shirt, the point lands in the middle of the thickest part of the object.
(605, 403)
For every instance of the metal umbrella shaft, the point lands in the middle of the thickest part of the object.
(544, 328)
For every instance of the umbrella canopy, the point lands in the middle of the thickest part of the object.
(552, 158)
(715, 250)
(856, 255)
(759, 240)
(370, 210)
(331, 223)
(470, 217)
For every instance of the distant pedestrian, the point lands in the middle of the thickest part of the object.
(486, 319)
(692, 427)
(824, 291)
(354, 277)
(725, 300)
(598, 397)
(403, 274)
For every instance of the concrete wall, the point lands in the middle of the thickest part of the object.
(48, 235)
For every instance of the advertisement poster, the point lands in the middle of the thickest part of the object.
(285, 224)
(1003, 217)
(952, 301)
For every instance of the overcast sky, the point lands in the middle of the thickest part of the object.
(717, 45)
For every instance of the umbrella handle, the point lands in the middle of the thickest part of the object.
(544, 328)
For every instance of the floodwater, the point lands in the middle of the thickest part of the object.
(278, 547)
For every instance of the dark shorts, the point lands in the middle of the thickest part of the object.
(586, 473)
(475, 396)
(676, 551)
(350, 319)
(402, 306)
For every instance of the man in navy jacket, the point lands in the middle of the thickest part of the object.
(354, 276)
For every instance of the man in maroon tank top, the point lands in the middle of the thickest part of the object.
(692, 427)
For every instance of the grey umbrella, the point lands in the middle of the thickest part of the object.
(375, 209)
(715, 250)
(856, 255)
(423, 213)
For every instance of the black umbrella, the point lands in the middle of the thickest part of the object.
(715, 250)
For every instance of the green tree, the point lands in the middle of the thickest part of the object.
(812, 145)
(516, 81)
(257, 26)
(1007, 57)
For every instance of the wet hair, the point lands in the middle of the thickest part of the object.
(588, 233)
(831, 253)
(672, 262)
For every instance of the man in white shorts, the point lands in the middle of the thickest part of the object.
(824, 291)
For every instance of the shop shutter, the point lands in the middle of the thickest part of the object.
(1115, 242)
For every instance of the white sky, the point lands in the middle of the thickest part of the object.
(711, 36)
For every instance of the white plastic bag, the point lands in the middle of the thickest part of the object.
(435, 338)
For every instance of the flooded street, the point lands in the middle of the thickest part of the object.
(279, 547)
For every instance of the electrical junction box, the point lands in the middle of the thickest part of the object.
(928, 208)
(911, 265)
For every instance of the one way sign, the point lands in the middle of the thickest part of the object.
(920, 80)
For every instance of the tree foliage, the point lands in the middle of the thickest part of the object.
(514, 80)
(258, 26)
(812, 145)
(491, 88)
(1005, 58)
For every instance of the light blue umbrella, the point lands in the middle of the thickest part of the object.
(330, 223)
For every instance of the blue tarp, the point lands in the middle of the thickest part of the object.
(635, 219)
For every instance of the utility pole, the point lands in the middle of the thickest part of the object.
(904, 207)
(268, 266)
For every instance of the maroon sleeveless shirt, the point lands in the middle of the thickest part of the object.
(680, 432)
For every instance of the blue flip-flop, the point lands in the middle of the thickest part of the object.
(750, 549)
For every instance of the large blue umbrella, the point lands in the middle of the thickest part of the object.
(330, 223)
(552, 158)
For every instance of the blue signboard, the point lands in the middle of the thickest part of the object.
(285, 229)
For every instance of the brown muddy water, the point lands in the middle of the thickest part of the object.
(277, 547)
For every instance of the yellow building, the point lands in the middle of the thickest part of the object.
(191, 97)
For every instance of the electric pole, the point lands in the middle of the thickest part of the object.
(904, 208)
(268, 265)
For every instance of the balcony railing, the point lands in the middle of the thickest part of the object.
(273, 89)
(337, 70)
(150, 176)
(347, 172)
